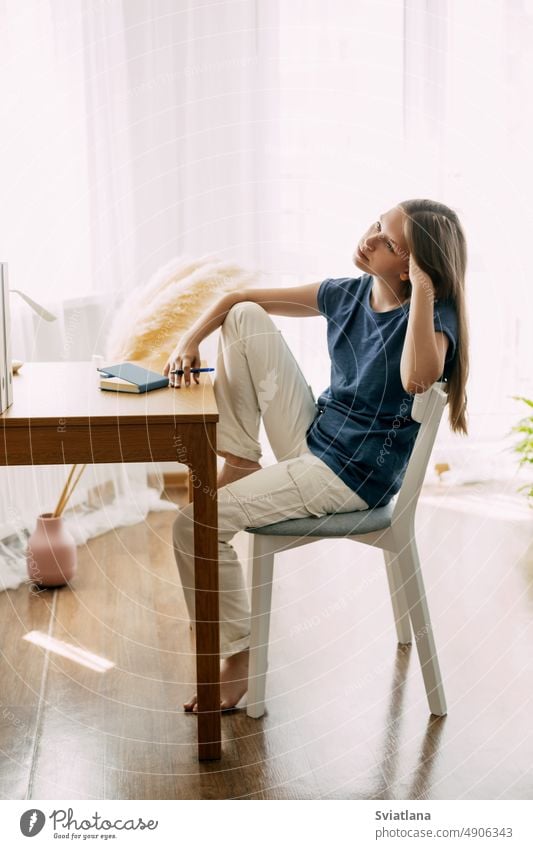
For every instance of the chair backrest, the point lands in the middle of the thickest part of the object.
(427, 409)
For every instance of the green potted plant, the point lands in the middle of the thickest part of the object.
(525, 446)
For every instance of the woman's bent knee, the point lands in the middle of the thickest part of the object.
(243, 309)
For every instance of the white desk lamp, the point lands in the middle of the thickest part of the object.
(7, 366)
(48, 316)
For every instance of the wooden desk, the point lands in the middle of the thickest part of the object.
(59, 415)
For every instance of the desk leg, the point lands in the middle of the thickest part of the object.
(204, 491)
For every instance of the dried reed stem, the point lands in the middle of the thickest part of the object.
(64, 492)
(65, 495)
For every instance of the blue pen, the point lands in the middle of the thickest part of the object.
(193, 370)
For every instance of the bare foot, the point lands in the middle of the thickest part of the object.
(233, 682)
(236, 468)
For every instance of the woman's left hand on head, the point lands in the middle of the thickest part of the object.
(418, 277)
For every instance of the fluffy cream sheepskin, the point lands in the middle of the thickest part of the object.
(152, 319)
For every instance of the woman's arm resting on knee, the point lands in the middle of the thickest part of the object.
(299, 301)
(296, 301)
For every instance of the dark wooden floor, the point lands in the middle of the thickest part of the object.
(347, 715)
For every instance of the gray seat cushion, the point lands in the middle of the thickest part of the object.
(332, 525)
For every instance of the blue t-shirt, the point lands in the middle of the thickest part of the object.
(363, 428)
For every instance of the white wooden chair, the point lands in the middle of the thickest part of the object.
(391, 528)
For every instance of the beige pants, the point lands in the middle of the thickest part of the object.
(257, 376)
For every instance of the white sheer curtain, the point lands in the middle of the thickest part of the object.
(469, 118)
(384, 101)
(134, 131)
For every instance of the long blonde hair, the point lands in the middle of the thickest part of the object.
(437, 241)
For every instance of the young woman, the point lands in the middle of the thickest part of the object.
(391, 332)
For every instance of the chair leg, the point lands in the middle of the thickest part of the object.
(262, 574)
(423, 633)
(250, 565)
(398, 598)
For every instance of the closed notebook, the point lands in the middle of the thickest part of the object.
(116, 384)
(128, 377)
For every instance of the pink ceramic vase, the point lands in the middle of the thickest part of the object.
(51, 553)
